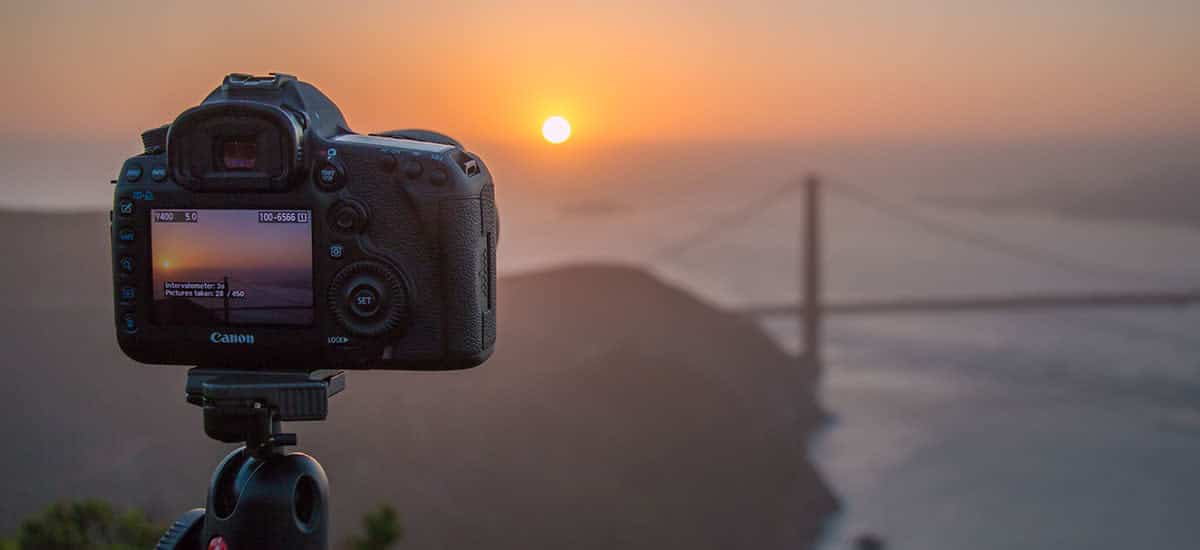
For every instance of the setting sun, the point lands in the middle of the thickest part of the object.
(556, 129)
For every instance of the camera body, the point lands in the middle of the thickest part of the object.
(257, 231)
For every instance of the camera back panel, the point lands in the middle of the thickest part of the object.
(376, 252)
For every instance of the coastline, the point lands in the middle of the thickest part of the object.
(617, 410)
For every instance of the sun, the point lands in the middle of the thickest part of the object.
(556, 129)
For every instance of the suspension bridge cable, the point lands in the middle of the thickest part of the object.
(977, 238)
(714, 228)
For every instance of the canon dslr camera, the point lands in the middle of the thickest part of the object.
(257, 231)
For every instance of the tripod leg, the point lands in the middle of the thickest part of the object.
(185, 533)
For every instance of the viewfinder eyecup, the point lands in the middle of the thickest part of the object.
(235, 145)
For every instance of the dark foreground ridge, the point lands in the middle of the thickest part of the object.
(617, 412)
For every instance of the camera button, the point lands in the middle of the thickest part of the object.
(158, 173)
(438, 178)
(364, 301)
(367, 299)
(387, 161)
(133, 172)
(345, 219)
(413, 169)
(129, 323)
(330, 176)
(348, 217)
(337, 250)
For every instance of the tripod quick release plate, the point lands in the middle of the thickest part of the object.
(249, 405)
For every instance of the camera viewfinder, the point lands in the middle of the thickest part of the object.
(239, 153)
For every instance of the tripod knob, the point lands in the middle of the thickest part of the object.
(184, 533)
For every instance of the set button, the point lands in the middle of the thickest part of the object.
(364, 301)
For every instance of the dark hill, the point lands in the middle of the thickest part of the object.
(617, 412)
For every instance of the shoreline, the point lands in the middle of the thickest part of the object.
(615, 406)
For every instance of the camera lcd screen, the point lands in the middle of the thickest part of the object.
(239, 154)
(231, 267)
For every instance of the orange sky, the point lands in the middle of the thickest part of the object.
(640, 71)
(230, 240)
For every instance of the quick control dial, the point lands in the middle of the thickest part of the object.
(367, 298)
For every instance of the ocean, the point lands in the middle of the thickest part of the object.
(1051, 428)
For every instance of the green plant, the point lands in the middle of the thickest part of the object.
(382, 529)
(89, 524)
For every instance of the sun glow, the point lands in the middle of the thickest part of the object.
(556, 129)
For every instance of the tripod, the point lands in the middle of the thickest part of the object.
(260, 496)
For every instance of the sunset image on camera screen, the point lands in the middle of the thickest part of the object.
(232, 267)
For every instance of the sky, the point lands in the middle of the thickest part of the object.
(623, 71)
(229, 242)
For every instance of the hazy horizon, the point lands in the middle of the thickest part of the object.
(73, 174)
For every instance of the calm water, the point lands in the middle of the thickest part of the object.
(1050, 429)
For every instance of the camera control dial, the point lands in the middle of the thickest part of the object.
(367, 298)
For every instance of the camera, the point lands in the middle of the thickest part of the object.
(257, 231)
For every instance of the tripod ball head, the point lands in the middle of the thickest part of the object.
(279, 502)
